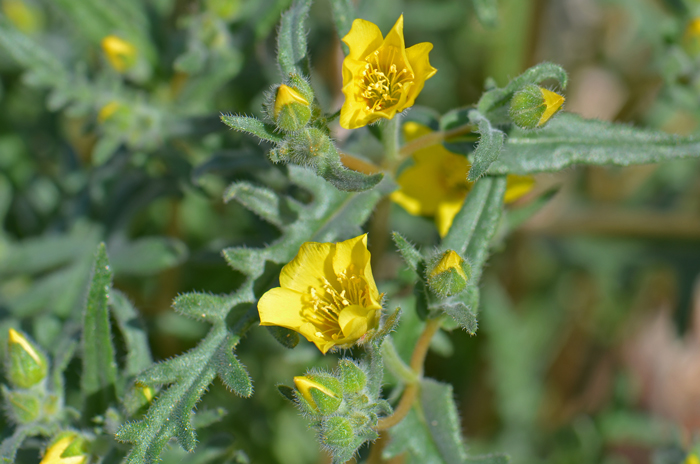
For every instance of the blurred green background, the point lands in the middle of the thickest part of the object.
(589, 343)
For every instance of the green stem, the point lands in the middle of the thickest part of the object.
(396, 365)
(390, 139)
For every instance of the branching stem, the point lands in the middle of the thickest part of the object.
(411, 392)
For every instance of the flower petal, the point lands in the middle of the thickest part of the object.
(351, 253)
(364, 38)
(395, 39)
(282, 307)
(418, 58)
(445, 214)
(308, 268)
(353, 322)
(517, 186)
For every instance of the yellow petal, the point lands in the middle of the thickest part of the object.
(553, 101)
(286, 96)
(364, 38)
(413, 130)
(282, 307)
(351, 253)
(418, 58)
(445, 215)
(517, 186)
(309, 267)
(395, 39)
(353, 322)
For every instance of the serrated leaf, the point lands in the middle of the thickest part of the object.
(99, 375)
(490, 146)
(138, 352)
(231, 372)
(251, 126)
(569, 139)
(409, 253)
(291, 40)
(261, 201)
(442, 420)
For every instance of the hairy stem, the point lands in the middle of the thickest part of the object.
(390, 139)
(411, 392)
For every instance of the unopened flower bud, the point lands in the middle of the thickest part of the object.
(353, 377)
(67, 448)
(23, 406)
(291, 110)
(449, 274)
(26, 364)
(533, 106)
(322, 393)
(337, 432)
(120, 53)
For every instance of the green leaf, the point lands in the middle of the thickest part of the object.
(291, 40)
(343, 16)
(204, 306)
(261, 201)
(409, 253)
(99, 376)
(347, 180)
(252, 126)
(442, 420)
(490, 146)
(488, 459)
(412, 437)
(568, 140)
(478, 248)
(146, 256)
(463, 315)
(10, 445)
(466, 221)
(231, 372)
(138, 352)
(487, 12)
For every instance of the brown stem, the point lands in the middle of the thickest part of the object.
(411, 392)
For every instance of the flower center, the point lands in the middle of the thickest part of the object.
(327, 304)
(382, 83)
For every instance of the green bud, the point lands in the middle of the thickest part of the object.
(336, 432)
(322, 393)
(66, 448)
(26, 364)
(354, 379)
(532, 106)
(22, 406)
(291, 111)
(448, 274)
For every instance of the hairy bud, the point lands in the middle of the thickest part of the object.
(26, 364)
(448, 274)
(532, 106)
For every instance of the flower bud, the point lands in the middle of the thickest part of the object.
(26, 364)
(533, 106)
(449, 274)
(120, 53)
(337, 432)
(67, 448)
(354, 379)
(291, 111)
(23, 406)
(322, 393)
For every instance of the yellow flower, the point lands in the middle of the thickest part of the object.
(66, 450)
(436, 185)
(327, 294)
(107, 111)
(380, 75)
(120, 53)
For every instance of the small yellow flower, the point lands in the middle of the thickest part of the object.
(692, 459)
(436, 185)
(65, 450)
(380, 75)
(120, 53)
(327, 293)
(107, 111)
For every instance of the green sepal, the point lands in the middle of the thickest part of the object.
(313, 399)
(352, 376)
(293, 117)
(21, 406)
(409, 253)
(25, 363)
(337, 433)
(448, 274)
(252, 126)
(527, 107)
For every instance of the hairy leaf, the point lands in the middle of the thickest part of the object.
(442, 420)
(291, 40)
(409, 253)
(568, 140)
(490, 146)
(138, 353)
(99, 377)
(251, 126)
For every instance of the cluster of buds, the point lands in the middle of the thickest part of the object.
(532, 106)
(29, 401)
(341, 406)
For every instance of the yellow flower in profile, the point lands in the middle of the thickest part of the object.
(120, 53)
(436, 185)
(327, 293)
(68, 449)
(380, 75)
